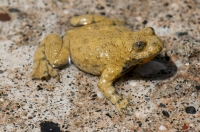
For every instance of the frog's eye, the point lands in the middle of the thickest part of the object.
(139, 45)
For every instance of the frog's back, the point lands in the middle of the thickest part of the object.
(94, 47)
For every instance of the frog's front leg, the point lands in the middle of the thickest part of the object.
(50, 54)
(109, 75)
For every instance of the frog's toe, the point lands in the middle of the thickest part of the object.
(53, 72)
(43, 70)
(125, 106)
(128, 110)
(40, 70)
(122, 104)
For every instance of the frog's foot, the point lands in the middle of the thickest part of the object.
(123, 105)
(51, 54)
(110, 74)
(42, 69)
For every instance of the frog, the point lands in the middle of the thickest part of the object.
(97, 45)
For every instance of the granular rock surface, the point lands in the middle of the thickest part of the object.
(165, 92)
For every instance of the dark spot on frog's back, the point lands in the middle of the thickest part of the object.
(85, 41)
(96, 65)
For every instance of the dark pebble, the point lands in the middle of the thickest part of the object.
(166, 4)
(165, 113)
(4, 17)
(197, 87)
(39, 87)
(48, 126)
(139, 123)
(144, 22)
(13, 10)
(99, 7)
(107, 114)
(162, 105)
(147, 99)
(169, 16)
(179, 34)
(190, 110)
(1, 71)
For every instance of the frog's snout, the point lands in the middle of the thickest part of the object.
(160, 44)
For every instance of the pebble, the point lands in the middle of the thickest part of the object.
(190, 110)
(197, 87)
(162, 128)
(47, 126)
(99, 94)
(4, 17)
(165, 113)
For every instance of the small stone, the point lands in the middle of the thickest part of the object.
(1, 71)
(107, 114)
(190, 110)
(145, 22)
(147, 99)
(165, 113)
(132, 83)
(48, 126)
(197, 87)
(180, 34)
(166, 4)
(1, 99)
(13, 10)
(162, 105)
(4, 17)
(100, 95)
(99, 7)
(185, 127)
(139, 123)
(162, 128)
(169, 16)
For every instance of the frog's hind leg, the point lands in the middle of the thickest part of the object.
(94, 19)
(50, 54)
(109, 75)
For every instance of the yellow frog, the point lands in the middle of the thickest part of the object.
(99, 46)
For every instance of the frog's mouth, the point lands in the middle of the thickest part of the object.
(147, 59)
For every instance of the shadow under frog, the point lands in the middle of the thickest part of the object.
(159, 68)
(100, 46)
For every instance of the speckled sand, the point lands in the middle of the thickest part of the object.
(166, 91)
